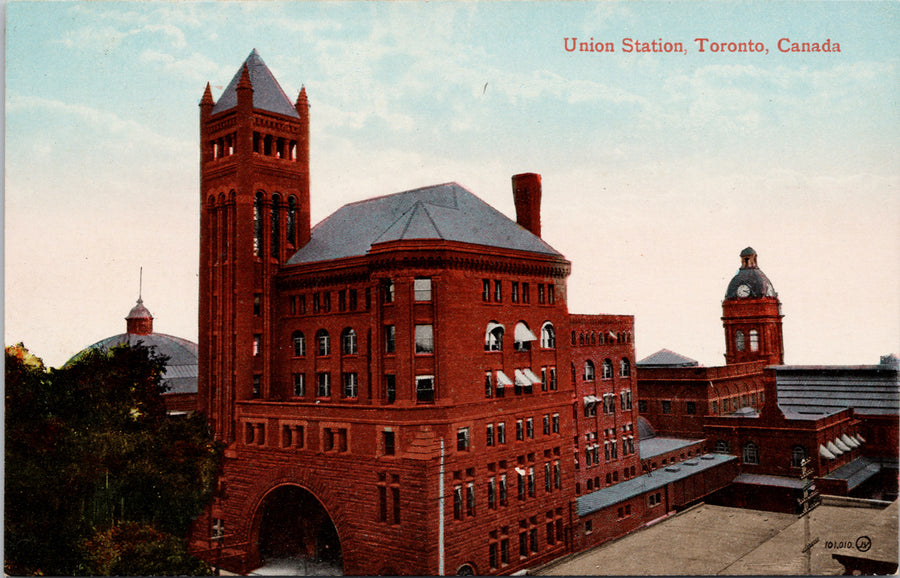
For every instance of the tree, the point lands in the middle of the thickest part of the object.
(88, 448)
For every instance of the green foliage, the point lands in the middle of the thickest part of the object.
(89, 446)
(132, 549)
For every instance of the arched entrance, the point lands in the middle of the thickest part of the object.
(293, 524)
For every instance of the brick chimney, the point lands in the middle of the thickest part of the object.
(527, 196)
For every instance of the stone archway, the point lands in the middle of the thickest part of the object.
(292, 523)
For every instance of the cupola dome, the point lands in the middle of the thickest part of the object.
(749, 282)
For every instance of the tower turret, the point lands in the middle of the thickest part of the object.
(254, 187)
(751, 315)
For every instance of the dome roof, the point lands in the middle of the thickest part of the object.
(180, 374)
(181, 369)
(749, 282)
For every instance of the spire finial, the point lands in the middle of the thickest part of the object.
(141, 285)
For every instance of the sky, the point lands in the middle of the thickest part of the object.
(658, 167)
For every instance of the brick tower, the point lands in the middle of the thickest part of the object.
(751, 315)
(254, 187)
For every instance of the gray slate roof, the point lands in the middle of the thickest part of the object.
(442, 212)
(181, 369)
(267, 93)
(868, 389)
(659, 445)
(667, 358)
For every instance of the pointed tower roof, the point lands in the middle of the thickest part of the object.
(267, 93)
(139, 320)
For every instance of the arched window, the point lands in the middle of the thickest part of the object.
(754, 340)
(798, 454)
(493, 337)
(751, 453)
(348, 342)
(589, 370)
(624, 367)
(739, 340)
(722, 447)
(323, 343)
(299, 342)
(523, 337)
(276, 225)
(291, 225)
(607, 369)
(258, 224)
(548, 336)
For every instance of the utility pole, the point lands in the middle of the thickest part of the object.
(810, 501)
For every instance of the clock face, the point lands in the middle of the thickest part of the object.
(743, 291)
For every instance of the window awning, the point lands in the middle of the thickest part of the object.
(503, 379)
(589, 399)
(521, 380)
(491, 326)
(841, 445)
(520, 471)
(850, 441)
(823, 451)
(530, 375)
(612, 335)
(860, 439)
(833, 448)
(522, 333)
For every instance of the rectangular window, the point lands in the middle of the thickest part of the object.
(556, 423)
(457, 503)
(543, 379)
(299, 384)
(525, 296)
(389, 447)
(326, 302)
(323, 384)
(492, 555)
(502, 489)
(492, 494)
(390, 388)
(351, 385)
(257, 304)
(489, 435)
(498, 291)
(422, 289)
(425, 389)
(514, 292)
(691, 408)
(353, 300)
(488, 386)
(301, 304)
(395, 498)
(424, 339)
(546, 425)
(501, 432)
(317, 302)
(470, 499)
(642, 405)
(390, 334)
(382, 504)
(552, 379)
(462, 439)
(715, 407)
(666, 406)
(548, 477)
(557, 475)
(550, 297)
(257, 385)
(540, 293)
(504, 551)
(533, 539)
(486, 290)
(520, 430)
(387, 291)
(257, 345)
(342, 300)
(529, 428)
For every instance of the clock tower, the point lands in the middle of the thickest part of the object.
(751, 316)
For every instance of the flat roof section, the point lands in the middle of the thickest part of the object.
(709, 540)
(660, 445)
(856, 472)
(628, 489)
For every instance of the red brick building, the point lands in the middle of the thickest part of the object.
(773, 416)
